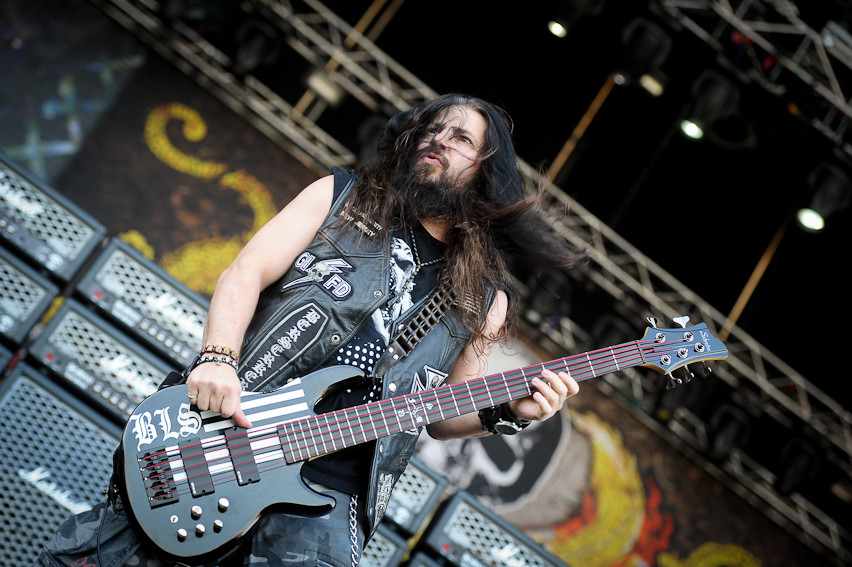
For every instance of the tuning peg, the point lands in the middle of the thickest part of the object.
(672, 381)
(704, 370)
(682, 320)
(683, 374)
(652, 321)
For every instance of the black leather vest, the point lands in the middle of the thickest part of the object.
(318, 306)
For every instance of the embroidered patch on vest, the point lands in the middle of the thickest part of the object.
(431, 379)
(383, 494)
(284, 343)
(327, 273)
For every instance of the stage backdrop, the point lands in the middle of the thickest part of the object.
(186, 181)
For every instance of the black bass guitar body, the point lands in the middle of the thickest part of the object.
(196, 484)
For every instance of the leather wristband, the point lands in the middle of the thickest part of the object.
(501, 420)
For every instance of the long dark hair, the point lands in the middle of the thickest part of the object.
(495, 223)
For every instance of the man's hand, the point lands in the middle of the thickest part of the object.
(551, 392)
(216, 387)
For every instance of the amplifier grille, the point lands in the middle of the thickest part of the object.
(98, 359)
(56, 462)
(39, 225)
(24, 297)
(147, 300)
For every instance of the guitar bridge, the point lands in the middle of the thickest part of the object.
(157, 476)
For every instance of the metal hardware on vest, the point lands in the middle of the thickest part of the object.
(420, 324)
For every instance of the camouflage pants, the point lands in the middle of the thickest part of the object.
(279, 540)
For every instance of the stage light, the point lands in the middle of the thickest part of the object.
(800, 463)
(557, 28)
(831, 193)
(646, 48)
(714, 97)
(569, 12)
(257, 45)
(324, 86)
(730, 428)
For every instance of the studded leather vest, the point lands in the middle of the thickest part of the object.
(319, 305)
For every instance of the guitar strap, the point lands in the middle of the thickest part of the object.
(407, 337)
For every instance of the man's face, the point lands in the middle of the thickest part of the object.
(449, 151)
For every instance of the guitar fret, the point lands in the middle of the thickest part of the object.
(412, 409)
(488, 392)
(438, 403)
(361, 426)
(506, 385)
(455, 403)
(396, 415)
(469, 395)
(384, 421)
(614, 358)
(591, 367)
(331, 438)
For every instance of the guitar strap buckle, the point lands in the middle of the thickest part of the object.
(407, 337)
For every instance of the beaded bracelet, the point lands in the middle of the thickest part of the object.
(218, 359)
(224, 351)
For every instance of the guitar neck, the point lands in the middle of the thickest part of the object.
(325, 433)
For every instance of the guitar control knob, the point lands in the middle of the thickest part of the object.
(195, 512)
(181, 534)
(199, 530)
(224, 504)
(218, 525)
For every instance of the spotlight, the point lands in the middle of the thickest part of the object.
(714, 97)
(832, 190)
(257, 45)
(557, 28)
(730, 427)
(646, 48)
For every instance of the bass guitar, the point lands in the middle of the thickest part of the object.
(195, 484)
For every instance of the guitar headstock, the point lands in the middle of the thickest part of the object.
(671, 351)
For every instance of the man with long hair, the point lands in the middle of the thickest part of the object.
(442, 210)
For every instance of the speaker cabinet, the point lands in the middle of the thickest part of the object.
(90, 354)
(133, 292)
(386, 549)
(24, 297)
(44, 226)
(465, 532)
(415, 497)
(56, 461)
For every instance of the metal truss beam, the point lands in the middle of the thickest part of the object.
(199, 59)
(783, 53)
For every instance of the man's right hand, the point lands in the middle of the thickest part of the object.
(217, 388)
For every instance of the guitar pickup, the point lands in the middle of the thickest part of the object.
(195, 466)
(242, 457)
(158, 479)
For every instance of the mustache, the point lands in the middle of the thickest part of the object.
(433, 149)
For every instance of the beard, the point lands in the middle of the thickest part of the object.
(432, 192)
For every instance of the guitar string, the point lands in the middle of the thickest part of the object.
(565, 363)
(524, 386)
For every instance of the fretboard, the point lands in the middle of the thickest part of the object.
(329, 432)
